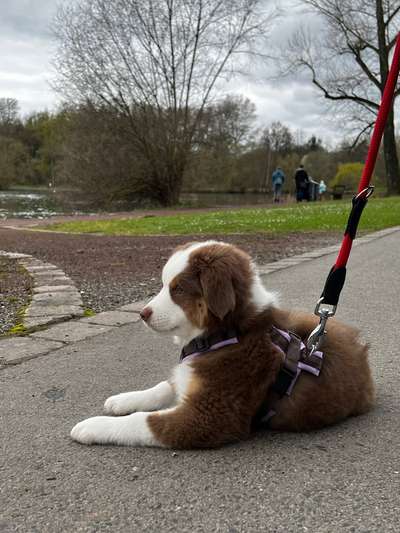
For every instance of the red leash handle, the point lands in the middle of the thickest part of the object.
(336, 277)
(386, 104)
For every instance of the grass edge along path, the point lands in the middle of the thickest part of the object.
(379, 213)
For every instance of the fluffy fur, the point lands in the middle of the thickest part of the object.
(212, 399)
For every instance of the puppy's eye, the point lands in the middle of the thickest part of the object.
(177, 289)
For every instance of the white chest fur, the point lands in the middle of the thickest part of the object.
(181, 378)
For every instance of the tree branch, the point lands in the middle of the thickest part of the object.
(338, 97)
(368, 127)
(391, 16)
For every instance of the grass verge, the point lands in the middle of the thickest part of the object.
(322, 216)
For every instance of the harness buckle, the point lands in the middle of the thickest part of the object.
(316, 336)
(325, 311)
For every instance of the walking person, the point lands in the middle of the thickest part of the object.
(278, 179)
(302, 184)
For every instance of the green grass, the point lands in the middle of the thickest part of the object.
(16, 330)
(321, 216)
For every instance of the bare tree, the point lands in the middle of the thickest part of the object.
(9, 109)
(225, 133)
(227, 124)
(157, 62)
(278, 138)
(349, 64)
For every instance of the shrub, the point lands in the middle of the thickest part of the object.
(349, 175)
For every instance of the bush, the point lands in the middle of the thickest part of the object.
(349, 175)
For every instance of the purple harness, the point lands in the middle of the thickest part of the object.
(303, 363)
(212, 348)
(295, 361)
(202, 345)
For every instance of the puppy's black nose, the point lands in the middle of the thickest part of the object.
(146, 313)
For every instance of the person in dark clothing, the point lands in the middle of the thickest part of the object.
(302, 184)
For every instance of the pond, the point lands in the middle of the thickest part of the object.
(29, 204)
(43, 203)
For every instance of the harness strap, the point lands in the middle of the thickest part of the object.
(295, 360)
(203, 344)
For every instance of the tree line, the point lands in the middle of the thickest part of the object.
(88, 149)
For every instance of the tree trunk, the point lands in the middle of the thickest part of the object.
(389, 139)
(166, 189)
(391, 158)
(173, 191)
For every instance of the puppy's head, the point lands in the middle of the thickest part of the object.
(205, 286)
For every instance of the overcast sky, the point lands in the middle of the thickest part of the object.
(25, 71)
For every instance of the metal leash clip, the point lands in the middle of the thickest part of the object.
(365, 193)
(316, 336)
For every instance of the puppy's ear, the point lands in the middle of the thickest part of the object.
(218, 291)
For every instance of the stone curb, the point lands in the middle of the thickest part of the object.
(55, 297)
(14, 350)
(320, 252)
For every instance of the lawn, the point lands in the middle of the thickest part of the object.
(321, 216)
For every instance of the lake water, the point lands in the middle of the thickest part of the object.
(29, 204)
(44, 204)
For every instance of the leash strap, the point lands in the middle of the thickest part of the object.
(337, 275)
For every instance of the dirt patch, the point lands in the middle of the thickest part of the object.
(15, 292)
(113, 271)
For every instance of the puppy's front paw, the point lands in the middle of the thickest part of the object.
(120, 404)
(97, 429)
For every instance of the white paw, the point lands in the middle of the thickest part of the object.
(98, 429)
(120, 404)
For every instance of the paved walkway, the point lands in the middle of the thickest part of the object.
(345, 478)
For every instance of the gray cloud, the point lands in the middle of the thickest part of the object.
(25, 43)
(25, 70)
(26, 18)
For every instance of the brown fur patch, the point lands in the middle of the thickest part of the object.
(186, 292)
(215, 287)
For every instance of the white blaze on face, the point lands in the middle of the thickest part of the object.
(166, 315)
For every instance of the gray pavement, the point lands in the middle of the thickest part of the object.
(344, 478)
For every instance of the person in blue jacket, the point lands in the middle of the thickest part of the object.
(278, 179)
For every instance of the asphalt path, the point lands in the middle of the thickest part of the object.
(344, 478)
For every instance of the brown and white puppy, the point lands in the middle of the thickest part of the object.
(212, 399)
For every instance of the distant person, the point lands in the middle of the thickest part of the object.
(302, 184)
(322, 189)
(278, 179)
